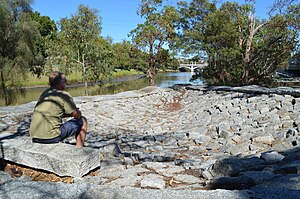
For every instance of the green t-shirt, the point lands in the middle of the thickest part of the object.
(47, 117)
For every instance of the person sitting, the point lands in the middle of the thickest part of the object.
(53, 105)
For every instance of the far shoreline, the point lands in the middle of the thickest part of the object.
(78, 84)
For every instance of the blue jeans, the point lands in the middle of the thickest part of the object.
(67, 129)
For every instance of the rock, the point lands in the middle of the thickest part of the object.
(272, 156)
(231, 183)
(170, 171)
(259, 177)
(187, 179)
(207, 175)
(244, 137)
(129, 181)
(153, 165)
(281, 145)
(286, 182)
(20, 190)
(153, 181)
(110, 150)
(128, 161)
(148, 139)
(4, 178)
(233, 166)
(267, 139)
(290, 157)
(61, 159)
(235, 149)
(290, 133)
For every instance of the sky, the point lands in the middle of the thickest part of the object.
(119, 17)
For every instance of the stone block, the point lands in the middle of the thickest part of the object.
(266, 139)
(231, 183)
(271, 156)
(61, 159)
(233, 166)
(260, 176)
(153, 181)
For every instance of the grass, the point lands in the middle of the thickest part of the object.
(72, 78)
(122, 73)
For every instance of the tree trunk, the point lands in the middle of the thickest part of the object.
(84, 76)
(151, 73)
(4, 90)
(251, 25)
(252, 30)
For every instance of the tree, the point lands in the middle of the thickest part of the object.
(102, 58)
(122, 55)
(165, 61)
(79, 45)
(139, 59)
(48, 31)
(128, 57)
(157, 31)
(18, 52)
(241, 48)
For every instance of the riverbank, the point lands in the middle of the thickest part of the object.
(115, 80)
(129, 82)
(198, 142)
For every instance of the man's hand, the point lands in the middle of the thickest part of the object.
(76, 114)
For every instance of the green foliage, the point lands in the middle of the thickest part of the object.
(128, 57)
(166, 61)
(79, 46)
(157, 31)
(101, 58)
(48, 30)
(122, 55)
(241, 48)
(139, 59)
(46, 26)
(18, 52)
(221, 41)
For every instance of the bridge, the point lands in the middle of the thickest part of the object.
(193, 65)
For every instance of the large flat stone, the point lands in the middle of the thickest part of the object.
(61, 159)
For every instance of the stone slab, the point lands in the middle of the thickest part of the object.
(19, 190)
(61, 159)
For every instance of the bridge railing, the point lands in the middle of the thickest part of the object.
(193, 65)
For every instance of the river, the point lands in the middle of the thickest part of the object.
(163, 80)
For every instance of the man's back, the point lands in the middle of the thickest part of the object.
(49, 111)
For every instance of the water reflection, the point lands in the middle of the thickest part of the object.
(169, 79)
(111, 88)
(162, 80)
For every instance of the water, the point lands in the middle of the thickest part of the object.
(169, 79)
(161, 80)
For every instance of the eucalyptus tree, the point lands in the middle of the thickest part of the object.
(18, 52)
(78, 45)
(156, 32)
(242, 49)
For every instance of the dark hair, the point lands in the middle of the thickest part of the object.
(55, 78)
